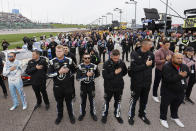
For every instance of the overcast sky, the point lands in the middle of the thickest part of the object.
(86, 11)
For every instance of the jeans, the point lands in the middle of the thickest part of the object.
(190, 86)
(17, 85)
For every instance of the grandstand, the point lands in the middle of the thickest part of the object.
(18, 21)
(10, 17)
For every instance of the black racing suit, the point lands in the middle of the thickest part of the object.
(38, 79)
(87, 86)
(113, 85)
(141, 79)
(63, 88)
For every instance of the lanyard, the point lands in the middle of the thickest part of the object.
(182, 80)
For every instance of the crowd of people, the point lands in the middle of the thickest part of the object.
(78, 55)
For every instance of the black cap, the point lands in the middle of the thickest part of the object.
(189, 49)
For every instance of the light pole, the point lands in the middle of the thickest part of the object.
(105, 18)
(120, 11)
(149, 3)
(94, 22)
(165, 28)
(134, 2)
(109, 13)
(97, 21)
(100, 21)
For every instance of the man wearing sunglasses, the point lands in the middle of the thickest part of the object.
(13, 71)
(87, 72)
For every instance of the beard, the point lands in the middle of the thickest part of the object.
(177, 63)
(11, 60)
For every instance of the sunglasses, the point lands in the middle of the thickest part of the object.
(87, 58)
(10, 56)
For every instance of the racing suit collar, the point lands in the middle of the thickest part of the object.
(62, 59)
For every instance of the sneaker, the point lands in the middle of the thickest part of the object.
(37, 106)
(47, 106)
(164, 123)
(156, 99)
(104, 119)
(130, 120)
(189, 100)
(178, 122)
(24, 107)
(81, 117)
(145, 119)
(58, 120)
(119, 119)
(72, 119)
(13, 108)
(94, 117)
